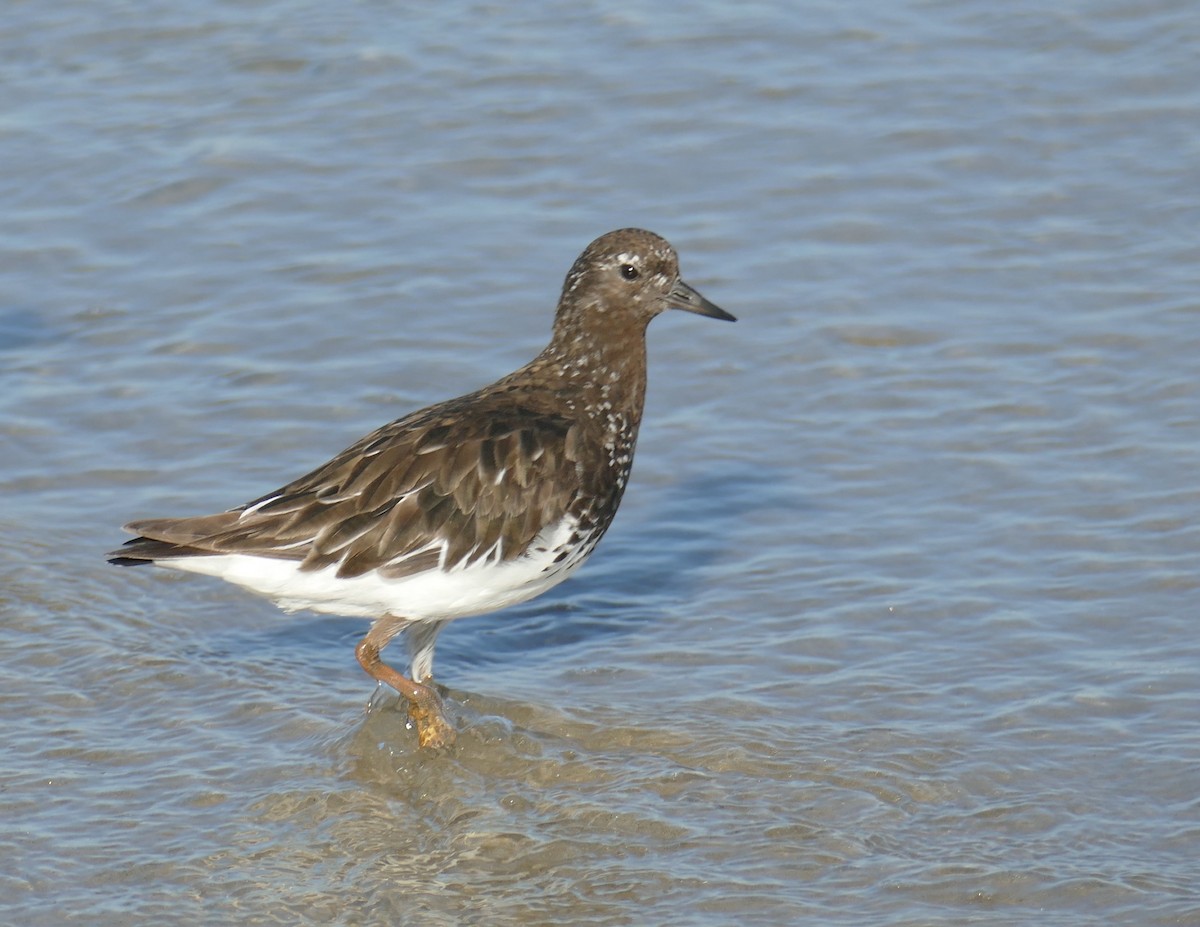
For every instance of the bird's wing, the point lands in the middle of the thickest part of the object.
(435, 489)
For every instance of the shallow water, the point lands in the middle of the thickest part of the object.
(897, 624)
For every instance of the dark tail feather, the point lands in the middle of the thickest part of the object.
(146, 550)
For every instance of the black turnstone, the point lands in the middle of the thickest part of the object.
(465, 507)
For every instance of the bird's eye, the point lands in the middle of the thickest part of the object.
(629, 272)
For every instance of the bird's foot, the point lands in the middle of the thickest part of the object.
(429, 718)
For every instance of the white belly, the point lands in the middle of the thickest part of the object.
(434, 594)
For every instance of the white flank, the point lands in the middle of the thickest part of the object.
(483, 586)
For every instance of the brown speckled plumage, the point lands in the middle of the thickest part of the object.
(467, 484)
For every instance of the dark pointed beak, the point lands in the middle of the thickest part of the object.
(684, 297)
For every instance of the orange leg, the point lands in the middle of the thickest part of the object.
(424, 705)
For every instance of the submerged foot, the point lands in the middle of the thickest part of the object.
(433, 730)
(424, 705)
